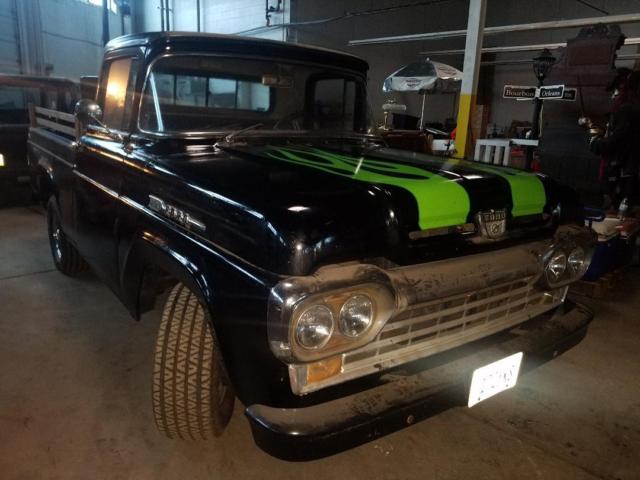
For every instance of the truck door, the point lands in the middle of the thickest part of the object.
(99, 169)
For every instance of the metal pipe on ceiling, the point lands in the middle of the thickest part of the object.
(198, 13)
(162, 15)
(526, 61)
(516, 61)
(518, 48)
(524, 27)
(167, 12)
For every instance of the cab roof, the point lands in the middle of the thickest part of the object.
(210, 42)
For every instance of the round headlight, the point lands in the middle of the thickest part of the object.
(556, 267)
(577, 259)
(315, 326)
(356, 315)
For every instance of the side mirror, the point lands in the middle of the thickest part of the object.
(87, 111)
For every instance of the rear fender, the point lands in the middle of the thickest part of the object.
(41, 176)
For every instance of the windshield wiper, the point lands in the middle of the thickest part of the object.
(231, 137)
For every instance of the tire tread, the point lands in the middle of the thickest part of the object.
(188, 402)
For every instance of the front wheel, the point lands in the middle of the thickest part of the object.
(190, 393)
(65, 256)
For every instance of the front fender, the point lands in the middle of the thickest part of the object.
(149, 251)
(235, 296)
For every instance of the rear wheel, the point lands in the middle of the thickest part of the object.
(190, 393)
(65, 256)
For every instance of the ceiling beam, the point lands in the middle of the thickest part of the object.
(528, 61)
(517, 48)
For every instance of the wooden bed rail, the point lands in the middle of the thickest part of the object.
(60, 122)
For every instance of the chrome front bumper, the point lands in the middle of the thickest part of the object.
(438, 306)
(403, 397)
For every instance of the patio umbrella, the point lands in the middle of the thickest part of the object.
(424, 77)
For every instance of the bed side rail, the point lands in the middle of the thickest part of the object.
(60, 122)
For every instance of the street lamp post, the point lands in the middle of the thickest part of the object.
(542, 65)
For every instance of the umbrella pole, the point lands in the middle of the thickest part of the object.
(424, 97)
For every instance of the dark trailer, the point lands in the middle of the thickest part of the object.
(17, 92)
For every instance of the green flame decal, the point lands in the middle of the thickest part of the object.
(527, 191)
(441, 202)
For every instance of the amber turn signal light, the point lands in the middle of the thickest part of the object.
(329, 367)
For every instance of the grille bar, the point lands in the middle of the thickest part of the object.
(462, 321)
(395, 324)
(431, 327)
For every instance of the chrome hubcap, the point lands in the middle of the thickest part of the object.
(57, 238)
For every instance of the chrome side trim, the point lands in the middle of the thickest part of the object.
(49, 152)
(174, 213)
(201, 241)
(98, 185)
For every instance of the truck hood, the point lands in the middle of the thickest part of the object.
(312, 204)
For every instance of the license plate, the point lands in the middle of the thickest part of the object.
(494, 378)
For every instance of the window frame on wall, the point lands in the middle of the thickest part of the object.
(113, 6)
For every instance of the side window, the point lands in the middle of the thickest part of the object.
(117, 93)
(165, 87)
(236, 94)
(334, 103)
(191, 91)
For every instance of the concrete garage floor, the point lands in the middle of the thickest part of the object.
(74, 397)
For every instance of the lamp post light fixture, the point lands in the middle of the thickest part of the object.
(542, 65)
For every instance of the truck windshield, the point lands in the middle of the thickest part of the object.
(206, 93)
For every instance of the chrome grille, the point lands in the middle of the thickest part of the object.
(431, 327)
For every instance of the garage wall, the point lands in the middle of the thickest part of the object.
(442, 16)
(503, 111)
(9, 53)
(218, 16)
(70, 26)
(58, 37)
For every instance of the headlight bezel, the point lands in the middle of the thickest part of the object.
(383, 304)
(566, 246)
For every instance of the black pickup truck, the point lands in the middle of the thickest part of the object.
(340, 289)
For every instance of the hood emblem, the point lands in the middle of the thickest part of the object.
(492, 224)
(174, 213)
